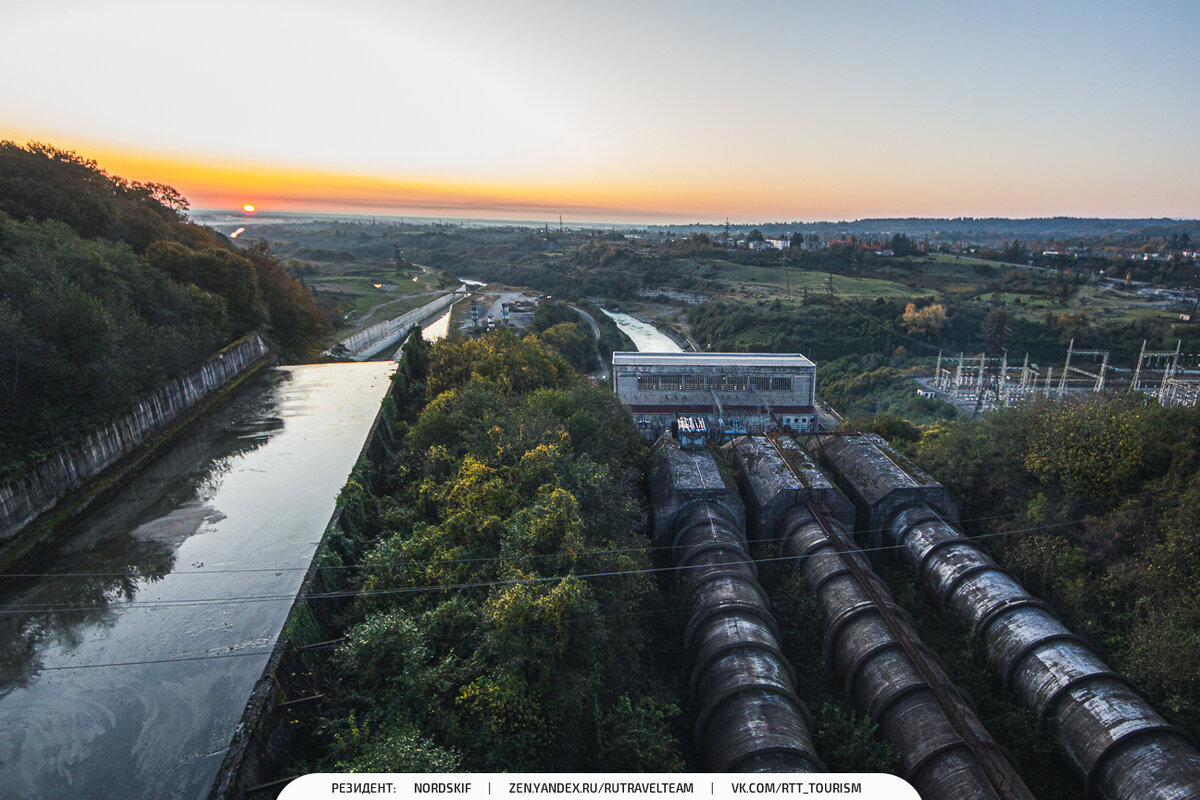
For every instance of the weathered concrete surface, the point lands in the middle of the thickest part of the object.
(34, 491)
(681, 477)
(879, 480)
(777, 474)
(371, 340)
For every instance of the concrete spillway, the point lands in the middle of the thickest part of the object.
(749, 717)
(870, 643)
(1122, 747)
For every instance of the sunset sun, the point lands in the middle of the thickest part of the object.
(248, 208)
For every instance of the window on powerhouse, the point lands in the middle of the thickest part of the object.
(733, 383)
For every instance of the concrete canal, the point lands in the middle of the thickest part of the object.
(126, 660)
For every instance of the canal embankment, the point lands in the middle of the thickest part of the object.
(127, 659)
(39, 500)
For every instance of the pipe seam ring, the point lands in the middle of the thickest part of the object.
(833, 628)
(815, 589)
(861, 660)
(818, 764)
(1090, 780)
(715, 524)
(936, 754)
(743, 559)
(733, 576)
(1063, 690)
(813, 547)
(721, 609)
(942, 544)
(958, 580)
(713, 509)
(1003, 607)
(884, 705)
(769, 648)
(901, 532)
(1031, 647)
(731, 693)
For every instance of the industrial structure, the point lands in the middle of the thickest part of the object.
(733, 393)
(749, 718)
(1170, 376)
(1121, 746)
(870, 642)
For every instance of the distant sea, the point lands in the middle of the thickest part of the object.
(232, 219)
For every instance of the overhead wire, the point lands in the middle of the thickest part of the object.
(586, 553)
(462, 586)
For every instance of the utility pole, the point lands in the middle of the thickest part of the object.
(787, 280)
(829, 285)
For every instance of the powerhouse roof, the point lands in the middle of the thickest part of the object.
(767, 360)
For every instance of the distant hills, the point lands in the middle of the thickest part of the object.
(973, 228)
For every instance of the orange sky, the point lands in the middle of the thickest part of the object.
(621, 111)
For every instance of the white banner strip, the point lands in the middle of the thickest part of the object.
(601, 786)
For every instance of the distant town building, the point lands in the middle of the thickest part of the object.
(731, 393)
(779, 244)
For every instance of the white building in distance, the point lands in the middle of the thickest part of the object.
(733, 392)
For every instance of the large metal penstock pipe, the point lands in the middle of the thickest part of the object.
(750, 719)
(1123, 747)
(871, 645)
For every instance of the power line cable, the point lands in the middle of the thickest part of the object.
(581, 554)
(352, 593)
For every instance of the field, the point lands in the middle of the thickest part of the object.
(769, 283)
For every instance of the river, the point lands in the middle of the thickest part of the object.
(126, 663)
(646, 338)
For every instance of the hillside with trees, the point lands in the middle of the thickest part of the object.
(508, 617)
(1092, 504)
(106, 290)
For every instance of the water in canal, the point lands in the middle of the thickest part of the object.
(125, 667)
(646, 338)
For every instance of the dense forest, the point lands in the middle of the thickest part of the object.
(508, 619)
(106, 290)
(1092, 504)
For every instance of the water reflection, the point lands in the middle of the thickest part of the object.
(132, 541)
(184, 580)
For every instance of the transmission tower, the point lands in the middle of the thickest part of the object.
(990, 369)
(829, 285)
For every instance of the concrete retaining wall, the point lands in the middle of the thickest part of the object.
(39, 488)
(371, 340)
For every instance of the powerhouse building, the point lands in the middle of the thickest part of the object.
(732, 392)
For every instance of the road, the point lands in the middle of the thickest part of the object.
(596, 333)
